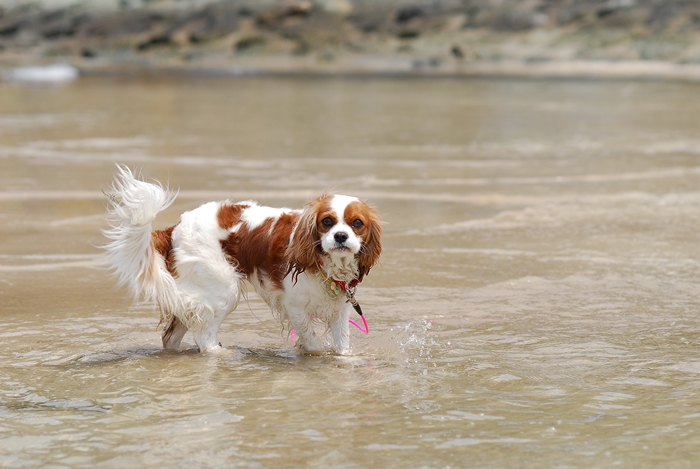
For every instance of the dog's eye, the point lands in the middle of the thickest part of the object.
(327, 222)
(357, 224)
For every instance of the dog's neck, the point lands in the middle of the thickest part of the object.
(342, 268)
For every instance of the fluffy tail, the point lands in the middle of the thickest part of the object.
(130, 253)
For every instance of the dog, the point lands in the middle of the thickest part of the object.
(305, 264)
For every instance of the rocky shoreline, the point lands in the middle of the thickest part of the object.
(657, 39)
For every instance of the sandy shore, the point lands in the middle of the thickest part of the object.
(400, 66)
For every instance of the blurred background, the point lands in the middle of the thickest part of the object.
(570, 37)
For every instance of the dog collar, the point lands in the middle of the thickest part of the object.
(337, 286)
(348, 288)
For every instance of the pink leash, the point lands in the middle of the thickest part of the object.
(364, 321)
(364, 331)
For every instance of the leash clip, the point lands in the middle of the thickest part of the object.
(351, 299)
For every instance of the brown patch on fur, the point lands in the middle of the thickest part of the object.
(162, 242)
(370, 232)
(305, 247)
(229, 215)
(263, 248)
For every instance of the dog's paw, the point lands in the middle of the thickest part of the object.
(341, 350)
(311, 345)
(215, 349)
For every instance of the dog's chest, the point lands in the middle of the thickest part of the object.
(323, 302)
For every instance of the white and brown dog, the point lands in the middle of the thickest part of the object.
(304, 263)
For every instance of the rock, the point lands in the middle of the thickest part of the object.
(450, 30)
(611, 6)
(336, 7)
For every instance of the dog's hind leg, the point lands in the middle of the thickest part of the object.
(173, 334)
(212, 307)
(205, 335)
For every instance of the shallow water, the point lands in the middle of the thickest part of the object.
(536, 304)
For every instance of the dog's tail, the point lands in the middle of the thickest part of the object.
(131, 254)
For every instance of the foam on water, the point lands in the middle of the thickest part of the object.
(56, 73)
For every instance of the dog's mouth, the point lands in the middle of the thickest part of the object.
(340, 248)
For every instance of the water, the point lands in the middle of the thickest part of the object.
(536, 304)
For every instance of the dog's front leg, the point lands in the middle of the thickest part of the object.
(340, 329)
(301, 323)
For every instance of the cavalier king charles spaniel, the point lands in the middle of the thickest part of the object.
(305, 264)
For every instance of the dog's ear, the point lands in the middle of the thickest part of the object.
(371, 244)
(304, 247)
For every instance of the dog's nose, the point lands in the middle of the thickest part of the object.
(340, 237)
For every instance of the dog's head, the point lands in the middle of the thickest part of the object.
(338, 226)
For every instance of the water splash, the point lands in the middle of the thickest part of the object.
(409, 342)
